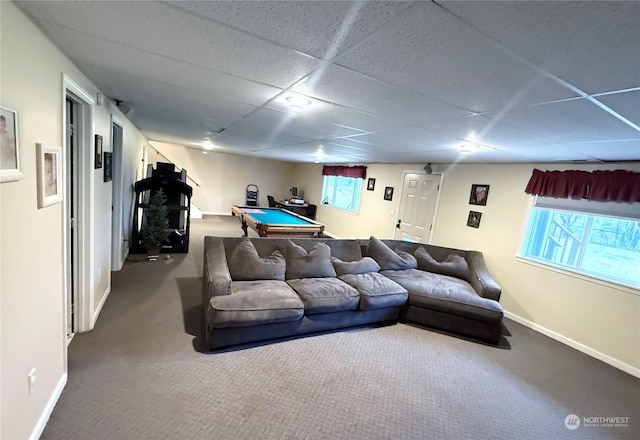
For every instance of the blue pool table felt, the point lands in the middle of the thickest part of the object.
(274, 216)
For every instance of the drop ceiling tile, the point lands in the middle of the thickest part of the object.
(92, 54)
(353, 90)
(608, 151)
(626, 104)
(432, 52)
(218, 47)
(570, 121)
(318, 28)
(592, 45)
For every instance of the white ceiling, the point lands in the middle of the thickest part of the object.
(389, 82)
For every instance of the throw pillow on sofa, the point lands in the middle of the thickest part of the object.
(246, 265)
(313, 264)
(390, 259)
(454, 265)
(364, 265)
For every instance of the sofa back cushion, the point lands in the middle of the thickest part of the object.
(364, 265)
(390, 259)
(454, 265)
(246, 265)
(313, 264)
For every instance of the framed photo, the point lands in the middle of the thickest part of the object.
(98, 152)
(371, 184)
(474, 219)
(49, 183)
(10, 169)
(388, 193)
(108, 166)
(479, 194)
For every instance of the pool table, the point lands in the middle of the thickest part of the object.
(276, 222)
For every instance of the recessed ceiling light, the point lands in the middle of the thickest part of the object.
(295, 108)
(208, 144)
(299, 101)
(205, 152)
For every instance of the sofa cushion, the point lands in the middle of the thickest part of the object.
(314, 264)
(325, 295)
(454, 265)
(254, 303)
(246, 265)
(445, 294)
(363, 265)
(390, 259)
(376, 291)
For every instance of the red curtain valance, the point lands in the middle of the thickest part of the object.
(342, 171)
(604, 186)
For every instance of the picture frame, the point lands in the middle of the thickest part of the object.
(49, 175)
(108, 166)
(10, 155)
(98, 152)
(473, 220)
(388, 193)
(479, 194)
(371, 184)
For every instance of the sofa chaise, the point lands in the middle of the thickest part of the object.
(268, 288)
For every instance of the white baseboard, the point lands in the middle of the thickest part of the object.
(94, 318)
(48, 410)
(216, 213)
(577, 345)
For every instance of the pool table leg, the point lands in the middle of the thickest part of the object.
(244, 228)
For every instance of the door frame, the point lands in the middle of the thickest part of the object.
(435, 211)
(83, 155)
(117, 223)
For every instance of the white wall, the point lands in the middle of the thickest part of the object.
(223, 178)
(377, 216)
(32, 297)
(597, 318)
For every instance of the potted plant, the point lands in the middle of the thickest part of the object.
(156, 227)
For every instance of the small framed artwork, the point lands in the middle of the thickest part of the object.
(474, 219)
(108, 166)
(479, 194)
(49, 183)
(10, 169)
(371, 184)
(98, 152)
(388, 193)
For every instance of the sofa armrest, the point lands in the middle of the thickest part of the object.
(480, 278)
(216, 279)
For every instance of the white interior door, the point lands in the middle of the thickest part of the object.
(417, 207)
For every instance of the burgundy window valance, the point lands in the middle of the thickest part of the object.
(603, 186)
(358, 172)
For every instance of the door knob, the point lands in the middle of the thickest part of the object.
(398, 224)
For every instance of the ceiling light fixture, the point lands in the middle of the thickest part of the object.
(208, 144)
(297, 101)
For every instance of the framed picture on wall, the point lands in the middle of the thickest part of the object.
(49, 184)
(371, 184)
(479, 194)
(108, 166)
(10, 169)
(98, 152)
(473, 220)
(388, 193)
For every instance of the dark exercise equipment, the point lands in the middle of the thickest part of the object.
(178, 195)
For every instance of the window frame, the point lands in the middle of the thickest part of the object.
(355, 194)
(522, 257)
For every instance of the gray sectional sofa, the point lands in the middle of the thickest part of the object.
(268, 288)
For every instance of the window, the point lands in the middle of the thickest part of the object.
(342, 192)
(597, 239)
